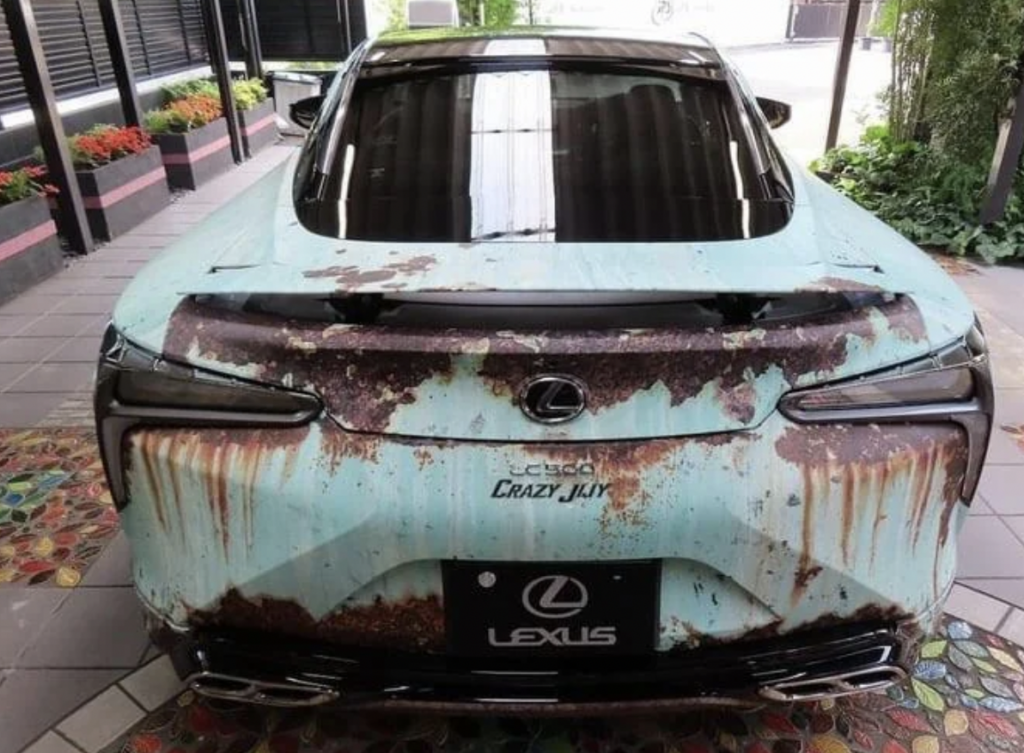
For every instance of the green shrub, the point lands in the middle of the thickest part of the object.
(931, 198)
(249, 93)
(186, 89)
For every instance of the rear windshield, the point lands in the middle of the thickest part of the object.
(547, 155)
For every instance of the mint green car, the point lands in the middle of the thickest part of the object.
(540, 380)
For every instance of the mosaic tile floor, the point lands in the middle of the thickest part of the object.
(966, 696)
(56, 514)
(1017, 432)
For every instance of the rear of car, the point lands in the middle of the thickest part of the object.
(541, 380)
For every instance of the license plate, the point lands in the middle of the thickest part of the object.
(535, 609)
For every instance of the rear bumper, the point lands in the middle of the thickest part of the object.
(816, 664)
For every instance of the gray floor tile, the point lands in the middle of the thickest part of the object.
(1002, 486)
(23, 612)
(1004, 450)
(106, 624)
(114, 567)
(28, 349)
(96, 327)
(136, 240)
(55, 377)
(58, 285)
(1013, 628)
(102, 720)
(87, 304)
(30, 302)
(978, 608)
(981, 507)
(10, 373)
(15, 323)
(32, 701)
(1016, 524)
(77, 350)
(989, 549)
(21, 410)
(51, 742)
(1010, 590)
(154, 684)
(58, 325)
(105, 269)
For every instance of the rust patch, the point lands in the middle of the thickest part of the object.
(364, 373)
(424, 457)
(625, 465)
(352, 276)
(338, 445)
(355, 371)
(870, 614)
(616, 366)
(840, 285)
(409, 624)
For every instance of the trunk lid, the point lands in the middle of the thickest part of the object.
(468, 383)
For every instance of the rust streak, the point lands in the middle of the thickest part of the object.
(411, 623)
(149, 455)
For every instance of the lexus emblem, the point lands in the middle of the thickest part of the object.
(553, 399)
(555, 597)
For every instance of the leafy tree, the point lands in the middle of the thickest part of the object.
(495, 13)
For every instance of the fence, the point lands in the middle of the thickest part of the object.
(164, 36)
(824, 20)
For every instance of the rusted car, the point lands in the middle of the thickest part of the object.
(541, 380)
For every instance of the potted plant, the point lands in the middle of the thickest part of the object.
(256, 118)
(122, 178)
(193, 139)
(29, 247)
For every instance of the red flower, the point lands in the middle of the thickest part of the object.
(106, 144)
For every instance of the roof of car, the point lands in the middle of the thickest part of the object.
(473, 42)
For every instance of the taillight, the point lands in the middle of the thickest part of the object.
(135, 387)
(954, 386)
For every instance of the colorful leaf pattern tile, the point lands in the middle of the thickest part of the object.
(56, 514)
(947, 707)
(1017, 432)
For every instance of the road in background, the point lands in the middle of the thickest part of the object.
(802, 74)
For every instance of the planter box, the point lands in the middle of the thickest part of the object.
(258, 127)
(29, 247)
(193, 158)
(122, 194)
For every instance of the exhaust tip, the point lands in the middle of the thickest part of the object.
(834, 686)
(288, 695)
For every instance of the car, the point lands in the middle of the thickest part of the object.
(541, 381)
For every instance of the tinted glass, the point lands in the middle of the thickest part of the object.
(546, 155)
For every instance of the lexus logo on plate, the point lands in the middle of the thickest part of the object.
(553, 399)
(555, 597)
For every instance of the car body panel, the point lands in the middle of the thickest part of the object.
(255, 244)
(339, 530)
(321, 533)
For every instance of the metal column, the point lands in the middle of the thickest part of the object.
(121, 61)
(1004, 164)
(842, 72)
(251, 38)
(222, 67)
(28, 48)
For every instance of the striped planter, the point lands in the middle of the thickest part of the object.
(124, 193)
(258, 127)
(193, 158)
(29, 247)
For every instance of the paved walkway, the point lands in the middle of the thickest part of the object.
(62, 647)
